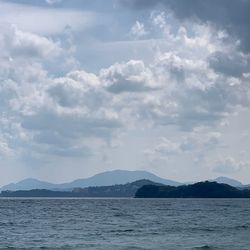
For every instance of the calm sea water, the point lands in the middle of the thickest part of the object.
(125, 224)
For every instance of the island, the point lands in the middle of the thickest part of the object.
(205, 189)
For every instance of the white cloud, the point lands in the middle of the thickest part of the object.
(137, 30)
(132, 76)
(49, 110)
(77, 88)
(159, 19)
(177, 88)
(235, 18)
(47, 115)
(192, 92)
(73, 111)
(25, 44)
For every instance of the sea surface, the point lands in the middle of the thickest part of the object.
(125, 224)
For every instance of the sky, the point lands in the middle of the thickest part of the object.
(155, 85)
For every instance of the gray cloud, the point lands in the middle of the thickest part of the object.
(231, 63)
(194, 143)
(232, 16)
(30, 45)
(132, 76)
(229, 165)
(78, 88)
(70, 125)
(181, 81)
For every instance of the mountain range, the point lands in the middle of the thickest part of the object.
(104, 179)
(141, 189)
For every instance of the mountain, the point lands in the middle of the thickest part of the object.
(122, 190)
(198, 190)
(222, 180)
(141, 189)
(118, 177)
(103, 179)
(229, 181)
(28, 184)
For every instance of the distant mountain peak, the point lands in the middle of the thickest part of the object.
(229, 181)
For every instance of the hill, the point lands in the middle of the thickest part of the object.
(198, 190)
(222, 180)
(122, 190)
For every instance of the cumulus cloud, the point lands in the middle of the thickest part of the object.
(192, 93)
(50, 115)
(132, 76)
(232, 16)
(72, 110)
(196, 80)
(181, 87)
(26, 44)
(77, 88)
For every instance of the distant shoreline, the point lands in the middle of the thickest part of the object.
(138, 189)
(203, 190)
(113, 198)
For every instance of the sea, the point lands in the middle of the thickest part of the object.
(125, 224)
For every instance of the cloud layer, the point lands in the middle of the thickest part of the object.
(192, 77)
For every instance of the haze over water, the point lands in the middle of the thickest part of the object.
(125, 224)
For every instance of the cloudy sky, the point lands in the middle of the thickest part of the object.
(156, 85)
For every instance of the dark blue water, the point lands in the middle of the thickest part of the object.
(125, 224)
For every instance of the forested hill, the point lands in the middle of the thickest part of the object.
(122, 190)
(198, 190)
(141, 189)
